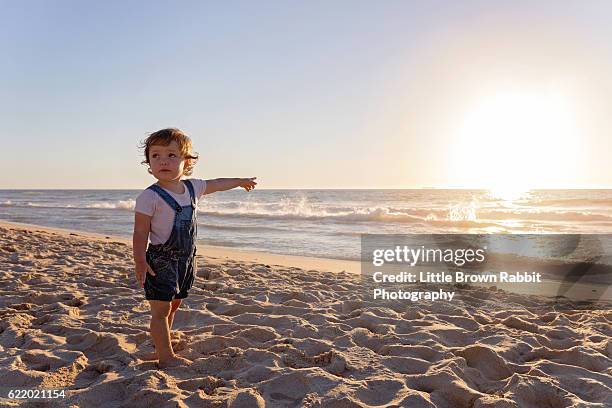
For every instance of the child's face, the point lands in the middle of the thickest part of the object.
(166, 162)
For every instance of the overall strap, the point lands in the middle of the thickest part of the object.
(191, 192)
(166, 197)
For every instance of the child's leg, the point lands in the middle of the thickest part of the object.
(160, 312)
(173, 308)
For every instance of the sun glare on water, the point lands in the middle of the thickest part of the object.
(514, 141)
(508, 194)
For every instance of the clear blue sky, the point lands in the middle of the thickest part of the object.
(330, 94)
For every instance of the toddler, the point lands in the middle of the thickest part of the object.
(165, 214)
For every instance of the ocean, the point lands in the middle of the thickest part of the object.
(324, 223)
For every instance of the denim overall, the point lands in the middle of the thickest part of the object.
(174, 261)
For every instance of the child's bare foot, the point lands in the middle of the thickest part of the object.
(152, 355)
(174, 361)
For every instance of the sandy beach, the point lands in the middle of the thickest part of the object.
(274, 331)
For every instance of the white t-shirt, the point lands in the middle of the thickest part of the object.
(162, 215)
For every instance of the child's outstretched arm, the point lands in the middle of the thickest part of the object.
(222, 184)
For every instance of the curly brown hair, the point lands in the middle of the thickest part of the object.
(166, 136)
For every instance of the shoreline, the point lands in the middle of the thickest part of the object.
(215, 252)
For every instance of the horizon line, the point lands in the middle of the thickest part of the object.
(326, 188)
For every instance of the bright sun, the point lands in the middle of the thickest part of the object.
(514, 141)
